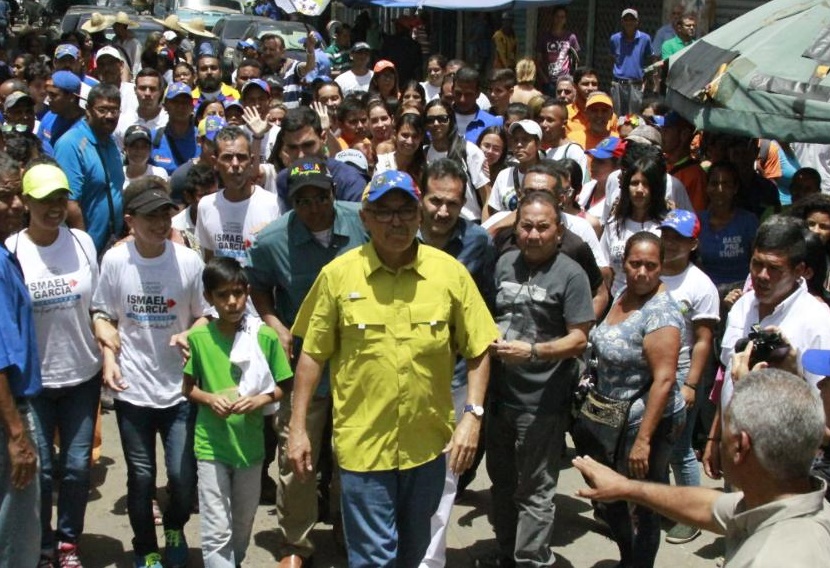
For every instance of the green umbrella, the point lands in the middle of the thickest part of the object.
(763, 74)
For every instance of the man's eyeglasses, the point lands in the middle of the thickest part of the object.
(305, 202)
(564, 91)
(8, 127)
(386, 215)
(439, 118)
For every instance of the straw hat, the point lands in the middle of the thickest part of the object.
(123, 18)
(171, 22)
(196, 26)
(98, 23)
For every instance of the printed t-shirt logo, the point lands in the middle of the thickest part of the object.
(56, 293)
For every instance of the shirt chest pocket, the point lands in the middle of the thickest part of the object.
(429, 327)
(362, 323)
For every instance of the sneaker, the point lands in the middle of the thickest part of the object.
(152, 560)
(680, 534)
(175, 549)
(68, 555)
(47, 559)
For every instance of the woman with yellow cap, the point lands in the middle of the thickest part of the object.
(61, 273)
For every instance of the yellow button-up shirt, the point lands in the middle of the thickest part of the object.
(391, 338)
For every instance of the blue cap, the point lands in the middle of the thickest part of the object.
(211, 125)
(177, 89)
(256, 83)
(229, 102)
(611, 147)
(684, 222)
(67, 81)
(249, 43)
(391, 180)
(206, 49)
(67, 50)
(816, 361)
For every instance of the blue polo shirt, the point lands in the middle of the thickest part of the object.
(348, 183)
(630, 57)
(83, 158)
(18, 342)
(286, 256)
(52, 127)
(482, 121)
(473, 247)
(163, 154)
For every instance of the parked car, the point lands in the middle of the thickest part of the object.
(75, 16)
(209, 10)
(229, 30)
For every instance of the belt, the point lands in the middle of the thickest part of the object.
(627, 81)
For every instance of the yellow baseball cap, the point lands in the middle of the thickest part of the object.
(42, 180)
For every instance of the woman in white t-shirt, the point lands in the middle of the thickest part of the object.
(137, 145)
(444, 142)
(61, 272)
(642, 206)
(605, 158)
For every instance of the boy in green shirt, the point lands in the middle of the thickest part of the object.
(234, 363)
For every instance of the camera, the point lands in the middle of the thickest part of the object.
(767, 346)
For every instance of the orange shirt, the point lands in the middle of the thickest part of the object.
(693, 178)
(576, 128)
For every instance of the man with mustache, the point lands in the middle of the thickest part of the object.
(89, 157)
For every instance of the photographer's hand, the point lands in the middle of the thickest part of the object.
(790, 361)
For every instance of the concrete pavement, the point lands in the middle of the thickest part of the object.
(579, 541)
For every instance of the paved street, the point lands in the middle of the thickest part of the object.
(579, 541)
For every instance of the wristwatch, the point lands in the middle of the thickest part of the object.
(476, 409)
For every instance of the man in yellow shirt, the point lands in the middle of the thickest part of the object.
(390, 317)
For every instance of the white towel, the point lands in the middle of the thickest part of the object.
(247, 355)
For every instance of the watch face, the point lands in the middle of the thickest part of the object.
(475, 409)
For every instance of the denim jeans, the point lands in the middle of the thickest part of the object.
(228, 500)
(19, 508)
(386, 514)
(636, 529)
(524, 451)
(683, 460)
(138, 426)
(73, 412)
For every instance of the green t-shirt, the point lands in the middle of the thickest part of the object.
(236, 440)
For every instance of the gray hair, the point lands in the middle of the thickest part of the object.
(784, 419)
(231, 133)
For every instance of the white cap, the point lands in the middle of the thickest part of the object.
(170, 35)
(111, 51)
(530, 126)
(630, 12)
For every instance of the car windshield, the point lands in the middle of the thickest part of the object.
(235, 28)
(291, 37)
(206, 4)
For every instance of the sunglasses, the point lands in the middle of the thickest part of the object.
(439, 118)
(14, 127)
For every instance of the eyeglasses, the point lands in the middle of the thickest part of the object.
(386, 215)
(7, 127)
(107, 111)
(305, 202)
(564, 91)
(439, 118)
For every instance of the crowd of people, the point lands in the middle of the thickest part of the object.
(378, 282)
